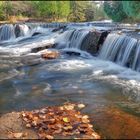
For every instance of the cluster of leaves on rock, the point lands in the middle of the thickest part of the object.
(52, 10)
(122, 10)
(58, 122)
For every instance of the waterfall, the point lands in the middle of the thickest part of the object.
(121, 49)
(9, 31)
(136, 64)
(6, 32)
(72, 38)
(77, 38)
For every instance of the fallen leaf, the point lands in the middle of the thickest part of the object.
(69, 106)
(85, 119)
(61, 108)
(66, 119)
(58, 131)
(23, 114)
(34, 123)
(68, 127)
(28, 125)
(17, 135)
(49, 137)
(81, 106)
(96, 136)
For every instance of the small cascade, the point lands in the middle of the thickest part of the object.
(136, 63)
(111, 46)
(77, 38)
(122, 49)
(126, 53)
(72, 38)
(10, 31)
(7, 32)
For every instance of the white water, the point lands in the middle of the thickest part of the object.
(122, 50)
(7, 32)
(116, 48)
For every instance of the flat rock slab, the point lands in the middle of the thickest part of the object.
(12, 123)
(63, 122)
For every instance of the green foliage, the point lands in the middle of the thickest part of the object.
(63, 8)
(99, 13)
(76, 11)
(132, 8)
(82, 11)
(89, 11)
(1, 11)
(7, 7)
(52, 9)
(114, 10)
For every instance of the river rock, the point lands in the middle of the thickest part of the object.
(49, 54)
(36, 33)
(91, 41)
(102, 39)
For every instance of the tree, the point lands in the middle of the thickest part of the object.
(114, 10)
(63, 9)
(81, 11)
(132, 8)
(1, 11)
(7, 8)
(90, 10)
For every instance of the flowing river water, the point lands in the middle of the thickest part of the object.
(111, 92)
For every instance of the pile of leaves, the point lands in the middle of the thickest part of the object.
(50, 54)
(65, 121)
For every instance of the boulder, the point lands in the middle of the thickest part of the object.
(90, 42)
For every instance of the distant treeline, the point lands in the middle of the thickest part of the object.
(75, 11)
(123, 10)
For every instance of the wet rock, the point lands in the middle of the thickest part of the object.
(21, 30)
(47, 123)
(37, 49)
(49, 54)
(58, 29)
(12, 127)
(71, 53)
(36, 33)
(17, 30)
(90, 42)
(102, 39)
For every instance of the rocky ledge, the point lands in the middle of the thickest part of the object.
(55, 122)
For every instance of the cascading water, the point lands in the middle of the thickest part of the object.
(77, 38)
(71, 41)
(72, 38)
(121, 49)
(136, 63)
(7, 32)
